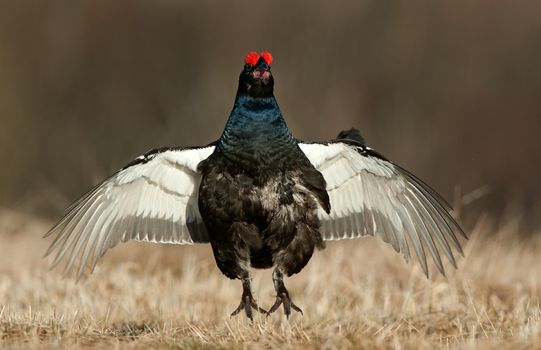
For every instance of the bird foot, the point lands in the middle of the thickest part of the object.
(247, 303)
(283, 298)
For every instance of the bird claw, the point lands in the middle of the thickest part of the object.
(283, 298)
(247, 303)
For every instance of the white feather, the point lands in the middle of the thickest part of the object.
(372, 196)
(148, 201)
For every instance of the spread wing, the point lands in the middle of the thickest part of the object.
(152, 199)
(369, 195)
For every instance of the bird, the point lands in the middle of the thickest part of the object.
(261, 197)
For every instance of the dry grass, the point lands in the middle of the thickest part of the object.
(355, 294)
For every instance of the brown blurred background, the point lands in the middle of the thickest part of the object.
(449, 89)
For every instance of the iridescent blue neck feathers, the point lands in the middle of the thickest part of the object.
(255, 123)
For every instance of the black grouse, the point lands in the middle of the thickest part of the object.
(260, 197)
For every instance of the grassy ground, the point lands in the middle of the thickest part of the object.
(355, 294)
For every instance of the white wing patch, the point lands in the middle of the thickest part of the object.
(153, 200)
(372, 196)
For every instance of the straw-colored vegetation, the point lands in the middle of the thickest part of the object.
(354, 294)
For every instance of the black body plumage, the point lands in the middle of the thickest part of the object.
(259, 193)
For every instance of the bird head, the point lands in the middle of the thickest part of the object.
(256, 78)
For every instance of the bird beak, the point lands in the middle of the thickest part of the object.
(261, 74)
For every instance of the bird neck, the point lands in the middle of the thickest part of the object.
(255, 122)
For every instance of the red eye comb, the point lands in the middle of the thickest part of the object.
(267, 57)
(253, 57)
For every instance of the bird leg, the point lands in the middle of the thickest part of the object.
(247, 301)
(282, 295)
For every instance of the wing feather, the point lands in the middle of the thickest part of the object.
(153, 199)
(369, 195)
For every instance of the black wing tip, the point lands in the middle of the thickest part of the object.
(425, 271)
(442, 271)
(461, 231)
(50, 249)
(50, 232)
